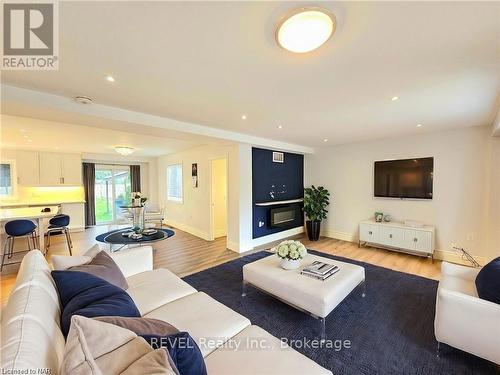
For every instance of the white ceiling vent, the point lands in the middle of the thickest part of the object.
(278, 157)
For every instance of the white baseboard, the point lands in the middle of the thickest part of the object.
(262, 241)
(188, 229)
(344, 236)
(276, 236)
(455, 257)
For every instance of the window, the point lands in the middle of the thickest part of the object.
(174, 182)
(6, 179)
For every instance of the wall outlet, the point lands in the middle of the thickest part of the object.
(470, 237)
(453, 245)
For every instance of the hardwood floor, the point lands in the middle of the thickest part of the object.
(184, 254)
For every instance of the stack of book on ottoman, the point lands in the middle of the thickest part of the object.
(320, 270)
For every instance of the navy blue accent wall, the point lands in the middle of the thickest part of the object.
(275, 182)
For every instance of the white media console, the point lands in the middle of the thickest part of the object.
(393, 235)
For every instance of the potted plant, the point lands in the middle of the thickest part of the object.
(290, 252)
(316, 199)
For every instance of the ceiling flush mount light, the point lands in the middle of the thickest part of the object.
(419, 125)
(280, 127)
(325, 140)
(394, 98)
(244, 117)
(83, 99)
(110, 78)
(124, 150)
(305, 29)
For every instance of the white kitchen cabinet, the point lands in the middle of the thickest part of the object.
(28, 168)
(76, 212)
(397, 236)
(60, 169)
(50, 169)
(71, 169)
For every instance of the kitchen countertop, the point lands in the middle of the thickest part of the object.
(26, 213)
(36, 204)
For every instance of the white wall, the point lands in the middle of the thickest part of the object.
(466, 170)
(193, 214)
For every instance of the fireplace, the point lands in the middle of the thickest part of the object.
(284, 217)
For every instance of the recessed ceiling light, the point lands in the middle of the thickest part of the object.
(22, 130)
(394, 98)
(124, 150)
(305, 29)
(244, 117)
(110, 78)
(325, 140)
(419, 125)
(280, 127)
(30, 140)
(25, 136)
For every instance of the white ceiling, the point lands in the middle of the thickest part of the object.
(16, 132)
(209, 63)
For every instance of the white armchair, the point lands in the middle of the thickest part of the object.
(463, 320)
(154, 213)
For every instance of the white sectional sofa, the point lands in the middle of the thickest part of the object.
(32, 339)
(463, 320)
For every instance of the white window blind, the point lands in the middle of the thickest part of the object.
(174, 182)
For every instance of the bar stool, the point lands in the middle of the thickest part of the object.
(59, 223)
(14, 229)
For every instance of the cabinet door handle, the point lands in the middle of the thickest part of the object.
(370, 232)
(390, 235)
(63, 180)
(415, 239)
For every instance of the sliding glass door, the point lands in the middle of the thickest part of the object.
(112, 190)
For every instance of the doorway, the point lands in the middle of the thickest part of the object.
(112, 190)
(218, 211)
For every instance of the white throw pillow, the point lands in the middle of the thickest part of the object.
(63, 262)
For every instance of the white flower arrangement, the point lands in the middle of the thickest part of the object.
(290, 249)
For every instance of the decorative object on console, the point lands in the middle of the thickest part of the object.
(387, 218)
(290, 252)
(379, 216)
(467, 256)
(315, 202)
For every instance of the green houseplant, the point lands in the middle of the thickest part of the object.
(316, 199)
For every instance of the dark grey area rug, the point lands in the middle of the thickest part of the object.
(391, 330)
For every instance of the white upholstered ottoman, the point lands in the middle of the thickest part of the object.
(315, 297)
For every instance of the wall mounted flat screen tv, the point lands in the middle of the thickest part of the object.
(406, 178)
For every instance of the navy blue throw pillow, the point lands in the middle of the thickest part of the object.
(488, 281)
(183, 350)
(84, 294)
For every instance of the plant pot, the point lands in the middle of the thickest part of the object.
(290, 264)
(313, 229)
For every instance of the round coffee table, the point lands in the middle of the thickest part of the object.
(115, 237)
